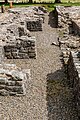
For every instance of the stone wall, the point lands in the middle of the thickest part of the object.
(34, 25)
(69, 19)
(16, 38)
(13, 80)
(17, 43)
(68, 24)
(63, 16)
(25, 47)
(69, 42)
(74, 77)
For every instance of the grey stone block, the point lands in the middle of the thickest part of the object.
(34, 25)
(24, 48)
(13, 80)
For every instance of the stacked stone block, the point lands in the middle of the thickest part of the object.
(34, 25)
(17, 43)
(12, 80)
(61, 16)
(24, 48)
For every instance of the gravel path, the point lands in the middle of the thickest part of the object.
(47, 95)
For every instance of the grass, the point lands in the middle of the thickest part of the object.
(48, 6)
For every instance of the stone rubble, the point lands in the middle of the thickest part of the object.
(16, 42)
(69, 41)
(68, 32)
(23, 48)
(12, 80)
(16, 29)
(34, 25)
(47, 94)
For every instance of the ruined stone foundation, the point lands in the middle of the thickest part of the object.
(13, 80)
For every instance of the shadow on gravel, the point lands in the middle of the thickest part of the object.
(53, 19)
(60, 98)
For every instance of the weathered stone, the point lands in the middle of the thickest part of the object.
(2, 80)
(10, 83)
(55, 43)
(19, 83)
(12, 80)
(34, 25)
(1, 53)
(42, 9)
(21, 31)
(17, 89)
(32, 55)
(12, 93)
(2, 87)
(4, 92)
(21, 49)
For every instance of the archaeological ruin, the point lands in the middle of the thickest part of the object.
(39, 51)
(68, 22)
(16, 42)
(13, 79)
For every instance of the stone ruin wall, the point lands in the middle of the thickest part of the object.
(69, 29)
(34, 25)
(74, 77)
(13, 80)
(69, 42)
(16, 42)
(24, 48)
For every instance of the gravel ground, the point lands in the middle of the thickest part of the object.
(47, 96)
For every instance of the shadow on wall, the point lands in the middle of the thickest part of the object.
(60, 98)
(53, 19)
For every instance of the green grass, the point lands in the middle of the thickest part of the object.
(48, 6)
(51, 7)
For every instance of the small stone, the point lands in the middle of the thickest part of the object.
(19, 83)
(12, 93)
(4, 92)
(55, 43)
(2, 80)
(10, 83)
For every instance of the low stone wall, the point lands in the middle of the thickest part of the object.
(63, 17)
(34, 25)
(68, 30)
(13, 80)
(74, 77)
(69, 19)
(17, 43)
(24, 48)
